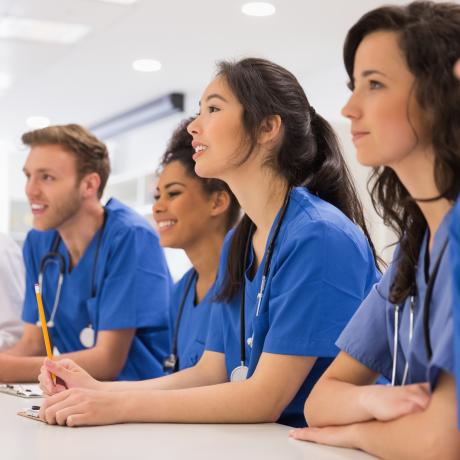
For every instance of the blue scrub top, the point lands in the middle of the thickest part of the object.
(454, 246)
(132, 290)
(194, 323)
(369, 336)
(322, 268)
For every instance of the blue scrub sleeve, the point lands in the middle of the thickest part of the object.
(365, 338)
(135, 291)
(318, 283)
(215, 337)
(29, 309)
(454, 248)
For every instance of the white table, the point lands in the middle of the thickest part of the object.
(22, 439)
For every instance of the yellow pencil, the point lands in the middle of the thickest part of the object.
(46, 337)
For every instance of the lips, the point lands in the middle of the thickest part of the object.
(165, 225)
(358, 135)
(199, 149)
(37, 208)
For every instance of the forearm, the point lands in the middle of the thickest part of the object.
(236, 402)
(20, 369)
(333, 402)
(188, 378)
(414, 436)
(97, 362)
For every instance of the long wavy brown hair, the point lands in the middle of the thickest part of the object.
(429, 38)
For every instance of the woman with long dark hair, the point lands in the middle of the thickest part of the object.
(404, 122)
(291, 274)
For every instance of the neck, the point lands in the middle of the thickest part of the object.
(261, 194)
(78, 231)
(418, 178)
(204, 255)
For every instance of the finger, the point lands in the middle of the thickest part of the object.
(332, 435)
(53, 404)
(58, 369)
(63, 415)
(75, 420)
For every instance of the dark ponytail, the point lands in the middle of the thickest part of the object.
(308, 154)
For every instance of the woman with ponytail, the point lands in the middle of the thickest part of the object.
(291, 275)
(405, 124)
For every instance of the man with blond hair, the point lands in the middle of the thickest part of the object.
(103, 277)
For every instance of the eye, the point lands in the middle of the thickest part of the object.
(156, 197)
(173, 194)
(48, 177)
(374, 84)
(213, 108)
(351, 85)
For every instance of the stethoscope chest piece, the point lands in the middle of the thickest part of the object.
(87, 336)
(239, 374)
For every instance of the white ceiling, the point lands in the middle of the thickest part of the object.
(93, 79)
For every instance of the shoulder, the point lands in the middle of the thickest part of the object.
(310, 218)
(123, 221)
(38, 241)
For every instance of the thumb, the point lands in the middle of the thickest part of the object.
(57, 369)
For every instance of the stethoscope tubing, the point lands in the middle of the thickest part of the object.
(54, 256)
(426, 320)
(265, 272)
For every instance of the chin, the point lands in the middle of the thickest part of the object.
(204, 170)
(366, 159)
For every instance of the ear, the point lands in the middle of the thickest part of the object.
(90, 184)
(220, 202)
(270, 129)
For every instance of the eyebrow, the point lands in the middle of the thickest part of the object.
(41, 170)
(367, 73)
(170, 184)
(215, 95)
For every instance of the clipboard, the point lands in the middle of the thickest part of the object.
(32, 413)
(23, 391)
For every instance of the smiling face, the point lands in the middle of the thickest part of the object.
(52, 186)
(386, 121)
(182, 210)
(218, 132)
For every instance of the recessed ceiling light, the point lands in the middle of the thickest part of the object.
(120, 2)
(41, 31)
(5, 81)
(146, 65)
(258, 9)
(37, 122)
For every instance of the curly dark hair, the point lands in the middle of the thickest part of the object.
(180, 149)
(429, 38)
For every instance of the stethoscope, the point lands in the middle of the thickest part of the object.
(87, 334)
(240, 373)
(426, 320)
(171, 363)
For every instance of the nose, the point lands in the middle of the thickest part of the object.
(158, 206)
(350, 109)
(193, 126)
(32, 190)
